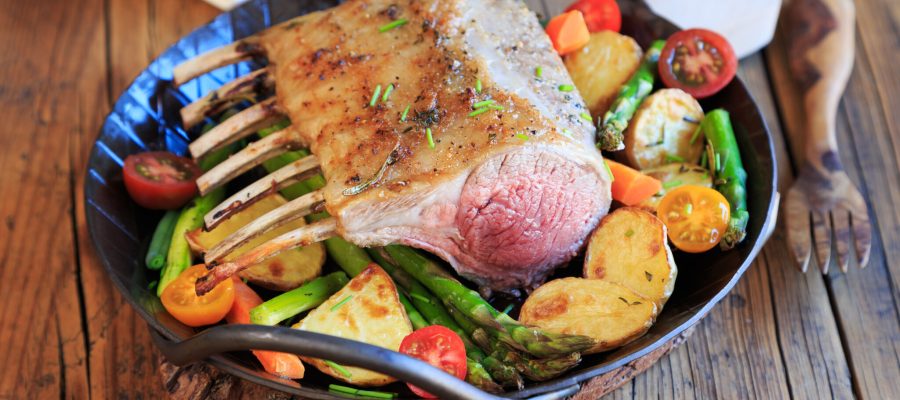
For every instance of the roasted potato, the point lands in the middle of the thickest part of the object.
(610, 313)
(287, 270)
(630, 248)
(602, 66)
(660, 132)
(367, 310)
(673, 176)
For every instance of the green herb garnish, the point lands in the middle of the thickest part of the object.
(375, 96)
(387, 92)
(360, 392)
(630, 233)
(672, 158)
(539, 72)
(479, 112)
(670, 184)
(478, 86)
(480, 104)
(587, 117)
(523, 136)
(688, 209)
(395, 24)
(405, 112)
(566, 88)
(339, 368)
(696, 134)
(430, 138)
(507, 309)
(342, 302)
(612, 177)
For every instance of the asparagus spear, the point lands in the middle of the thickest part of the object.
(729, 173)
(162, 238)
(467, 301)
(436, 314)
(632, 93)
(296, 301)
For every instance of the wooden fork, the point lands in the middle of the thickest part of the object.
(823, 201)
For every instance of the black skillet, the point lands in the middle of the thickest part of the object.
(146, 118)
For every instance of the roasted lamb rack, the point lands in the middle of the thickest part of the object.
(447, 125)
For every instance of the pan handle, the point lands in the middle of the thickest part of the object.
(225, 338)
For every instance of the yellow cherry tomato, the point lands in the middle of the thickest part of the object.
(695, 216)
(180, 299)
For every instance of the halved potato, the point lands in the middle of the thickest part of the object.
(630, 248)
(608, 312)
(367, 310)
(660, 132)
(601, 67)
(673, 176)
(287, 270)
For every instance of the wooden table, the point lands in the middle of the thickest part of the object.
(66, 332)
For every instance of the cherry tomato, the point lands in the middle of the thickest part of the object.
(698, 61)
(696, 217)
(599, 15)
(160, 180)
(438, 346)
(181, 300)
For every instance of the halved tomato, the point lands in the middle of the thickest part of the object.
(696, 217)
(600, 15)
(438, 346)
(160, 180)
(180, 299)
(698, 61)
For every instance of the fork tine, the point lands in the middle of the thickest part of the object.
(237, 127)
(235, 52)
(254, 154)
(306, 235)
(255, 84)
(840, 221)
(294, 172)
(862, 232)
(798, 229)
(291, 211)
(822, 238)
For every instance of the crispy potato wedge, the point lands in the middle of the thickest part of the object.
(367, 310)
(673, 176)
(608, 312)
(630, 248)
(287, 270)
(660, 132)
(601, 67)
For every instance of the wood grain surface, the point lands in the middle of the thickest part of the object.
(65, 332)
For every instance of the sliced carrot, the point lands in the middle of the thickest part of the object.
(285, 365)
(568, 32)
(630, 186)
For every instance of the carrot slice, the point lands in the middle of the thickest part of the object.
(568, 32)
(282, 364)
(630, 187)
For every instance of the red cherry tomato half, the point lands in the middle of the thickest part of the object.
(438, 346)
(160, 180)
(599, 15)
(698, 61)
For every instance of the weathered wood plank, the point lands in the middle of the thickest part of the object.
(865, 301)
(42, 346)
(122, 355)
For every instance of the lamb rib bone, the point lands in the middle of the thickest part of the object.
(248, 87)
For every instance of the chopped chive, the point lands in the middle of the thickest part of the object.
(495, 107)
(342, 389)
(696, 134)
(630, 233)
(507, 309)
(567, 132)
(672, 158)
(479, 112)
(395, 24)
(387, 92)
(375, 96)
(523, 136)
(420, 297)
(566, 88)
(478, 86)
(670, 184)
(718, 163)
(339, 368)
(539, 72)
(688, 209)
(587, 117)
(612, 178)
(376, 394)
(405, 113)
(342, 302)
(430, 138)
(480, 104)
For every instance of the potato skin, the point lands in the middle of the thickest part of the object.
(610, 313)
(601, 67)
(630, 248)
(684, 173)
(373, 314)
(662, 129)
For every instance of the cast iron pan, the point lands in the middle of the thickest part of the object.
(146, 118)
